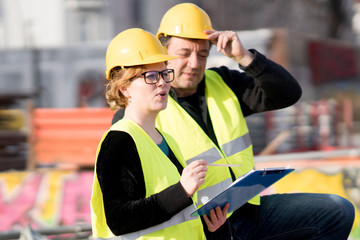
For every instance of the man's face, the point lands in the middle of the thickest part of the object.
(190, 65)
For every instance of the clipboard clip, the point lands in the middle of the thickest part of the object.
(274, 169)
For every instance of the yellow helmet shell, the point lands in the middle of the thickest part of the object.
(133, 47)
(185, 20)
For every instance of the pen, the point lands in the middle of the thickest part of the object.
(223, 165)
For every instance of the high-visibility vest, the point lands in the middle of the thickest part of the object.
(235, 146)
(159, 173)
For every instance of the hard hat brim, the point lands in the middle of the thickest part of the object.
(184, 35)
(158, 58)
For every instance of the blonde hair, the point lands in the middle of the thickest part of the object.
(119, 78)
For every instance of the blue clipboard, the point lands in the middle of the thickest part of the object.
(243, 189)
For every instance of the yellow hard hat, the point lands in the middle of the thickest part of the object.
(133, 47)
(185, 20)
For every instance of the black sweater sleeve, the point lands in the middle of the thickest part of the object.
(121, 180)
(263, 86)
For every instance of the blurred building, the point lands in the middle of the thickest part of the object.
(55, 52)
(57, 47)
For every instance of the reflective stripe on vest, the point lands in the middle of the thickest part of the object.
(182, 216)
(205, 194)
(230, 129)
(230, 148)
(236, 145)
(212, 155)
(166, 174)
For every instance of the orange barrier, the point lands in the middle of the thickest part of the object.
(67, 135)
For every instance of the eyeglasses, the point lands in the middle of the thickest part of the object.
(152, 77)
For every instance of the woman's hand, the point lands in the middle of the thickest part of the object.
(216, 218)
(193, 176)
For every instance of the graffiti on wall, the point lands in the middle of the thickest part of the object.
(44, 199)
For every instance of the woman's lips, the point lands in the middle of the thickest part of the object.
(162, 94)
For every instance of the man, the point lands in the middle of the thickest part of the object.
(206, 116)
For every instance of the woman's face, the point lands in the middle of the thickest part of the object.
(146, 97)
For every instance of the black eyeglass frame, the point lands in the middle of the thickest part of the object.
(160, 73)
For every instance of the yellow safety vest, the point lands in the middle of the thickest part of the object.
(230, 129)
(159, 173)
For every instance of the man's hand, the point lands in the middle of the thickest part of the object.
(216, 218)
(229, 44)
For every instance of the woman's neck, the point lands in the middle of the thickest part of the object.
(147, 123)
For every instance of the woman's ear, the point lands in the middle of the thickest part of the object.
(125, 92)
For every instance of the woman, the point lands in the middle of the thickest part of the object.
(139, 191)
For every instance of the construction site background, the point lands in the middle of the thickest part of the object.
(47, 154)
(53, 113)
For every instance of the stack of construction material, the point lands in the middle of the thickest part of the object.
(13, 132)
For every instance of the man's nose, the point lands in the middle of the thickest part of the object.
(193, 61)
